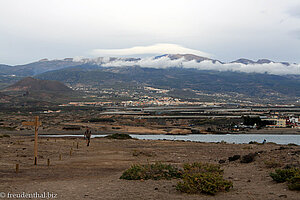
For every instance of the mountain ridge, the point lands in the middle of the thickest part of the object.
(161, 61)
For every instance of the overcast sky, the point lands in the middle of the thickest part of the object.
(222, 29)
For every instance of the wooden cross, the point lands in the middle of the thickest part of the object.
(36, 125)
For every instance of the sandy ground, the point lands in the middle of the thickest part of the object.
(93, 172)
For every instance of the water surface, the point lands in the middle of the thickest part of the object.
(229, 138)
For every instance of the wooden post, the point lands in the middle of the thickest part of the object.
(36, 125)
(77, 145)
(59, 156)
(48, 162)
(17, 168)
(71, 152)
(36, 139)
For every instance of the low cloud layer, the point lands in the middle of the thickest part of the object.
(166, 62)
(161, 48)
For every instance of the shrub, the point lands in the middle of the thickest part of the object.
(5, 135)
(292, 144)
(202, 168)
(283, 175)
(248, 158)
(8, 128)
(272, 163)
(203, 178)
(233, 158)
(253, 142)
(207, 183)
(119, 136)
(294, 182)
(142, 153)
(155, 171)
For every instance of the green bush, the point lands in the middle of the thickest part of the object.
(207, 183)
(155, 171)
(294, 182)
(272, 163)
(202, 168)
(5, 135)
(203, 178)
(119, 136)
(283, 175)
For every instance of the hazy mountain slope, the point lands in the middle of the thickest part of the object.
(30, 84)
(34, 92)
(251, 84)
(36, 67)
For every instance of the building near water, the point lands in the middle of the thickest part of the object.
(275, 122)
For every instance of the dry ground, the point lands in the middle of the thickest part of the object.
(93, 172)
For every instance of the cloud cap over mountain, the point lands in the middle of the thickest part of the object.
(165, 61)
(156, 49)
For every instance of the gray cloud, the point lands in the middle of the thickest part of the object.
(296, 33)
(231, 29)
(294, 11)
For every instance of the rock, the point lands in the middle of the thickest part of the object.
(282, 148)
(283, 196)
(221, 161)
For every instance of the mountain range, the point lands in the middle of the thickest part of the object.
(162, 61)
(261, 79)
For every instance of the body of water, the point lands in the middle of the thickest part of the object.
(229, 138)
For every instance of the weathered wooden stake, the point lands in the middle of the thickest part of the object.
(36, 125)
(59, 156)
(77, 145)
(48, 162)
(71, 152)
(17, 168)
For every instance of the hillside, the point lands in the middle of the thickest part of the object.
(250, 84)
(35, 85)
(34, 92)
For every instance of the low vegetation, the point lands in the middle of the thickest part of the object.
(100, 120)
(234, 158)
(272, 163)
(196, 177)
(291, 176)
(8, 128)
(292, 144)
(155, 171)
(119, 136)
(3, 136)
(203, 178)
(248, 158)
(143, 153)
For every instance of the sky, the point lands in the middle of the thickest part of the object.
(226, 30)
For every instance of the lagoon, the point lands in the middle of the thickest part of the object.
(229, 138)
